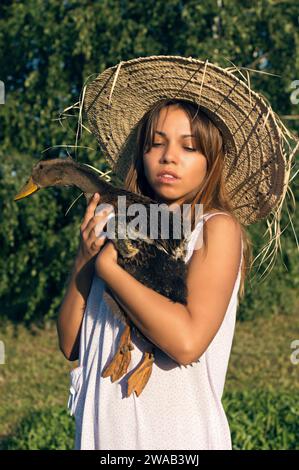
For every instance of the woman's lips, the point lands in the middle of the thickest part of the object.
(167, 179)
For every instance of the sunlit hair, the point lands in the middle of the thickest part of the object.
(212, 193)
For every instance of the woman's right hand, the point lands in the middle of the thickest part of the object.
(90, 244)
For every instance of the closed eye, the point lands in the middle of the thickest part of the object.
(186, 148)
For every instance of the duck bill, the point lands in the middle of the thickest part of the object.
(28, 189)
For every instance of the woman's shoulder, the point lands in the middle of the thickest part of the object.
(218, 211)
(220, 220)
(226, 224)
(224, 215)
(209, 215)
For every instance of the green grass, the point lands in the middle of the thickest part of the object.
(263, 419)
(261, 391)
(49, 429)
(261, 353)
(35, 375)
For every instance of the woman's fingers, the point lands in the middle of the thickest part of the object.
(90, 210)
(94, 221)
(93, 225)
(97, 223)
(102, 222)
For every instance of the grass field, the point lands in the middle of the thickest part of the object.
(35, 376)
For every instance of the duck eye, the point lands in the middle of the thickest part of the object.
(41, 167)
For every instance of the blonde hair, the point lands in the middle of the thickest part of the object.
(212, 193)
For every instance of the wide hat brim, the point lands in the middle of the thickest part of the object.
(256, 169)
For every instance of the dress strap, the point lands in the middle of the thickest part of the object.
(210, 214)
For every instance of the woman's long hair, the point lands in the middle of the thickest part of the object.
(212, 193)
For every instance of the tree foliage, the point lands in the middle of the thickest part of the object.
(48, 50)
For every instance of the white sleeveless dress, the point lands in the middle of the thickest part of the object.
(179, 409)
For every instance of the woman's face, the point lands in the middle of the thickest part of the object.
(174, 150)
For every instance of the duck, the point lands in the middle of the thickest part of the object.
(158, 263)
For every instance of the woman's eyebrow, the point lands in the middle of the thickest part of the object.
(183, 135)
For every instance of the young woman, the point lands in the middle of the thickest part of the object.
(180, 407)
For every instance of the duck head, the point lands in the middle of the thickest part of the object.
(63, 172)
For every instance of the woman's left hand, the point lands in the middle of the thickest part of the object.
(106, 259)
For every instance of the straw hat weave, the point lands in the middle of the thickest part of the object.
(256, 166)
(259, 149)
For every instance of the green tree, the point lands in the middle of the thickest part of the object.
(48, 50)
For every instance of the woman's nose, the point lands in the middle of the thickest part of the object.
(170, 154)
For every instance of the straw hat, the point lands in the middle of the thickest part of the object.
(259, 149)
(257, 163)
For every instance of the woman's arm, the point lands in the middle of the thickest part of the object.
(211, 278)
(164, 323)
(183, 333)
(71, 311)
